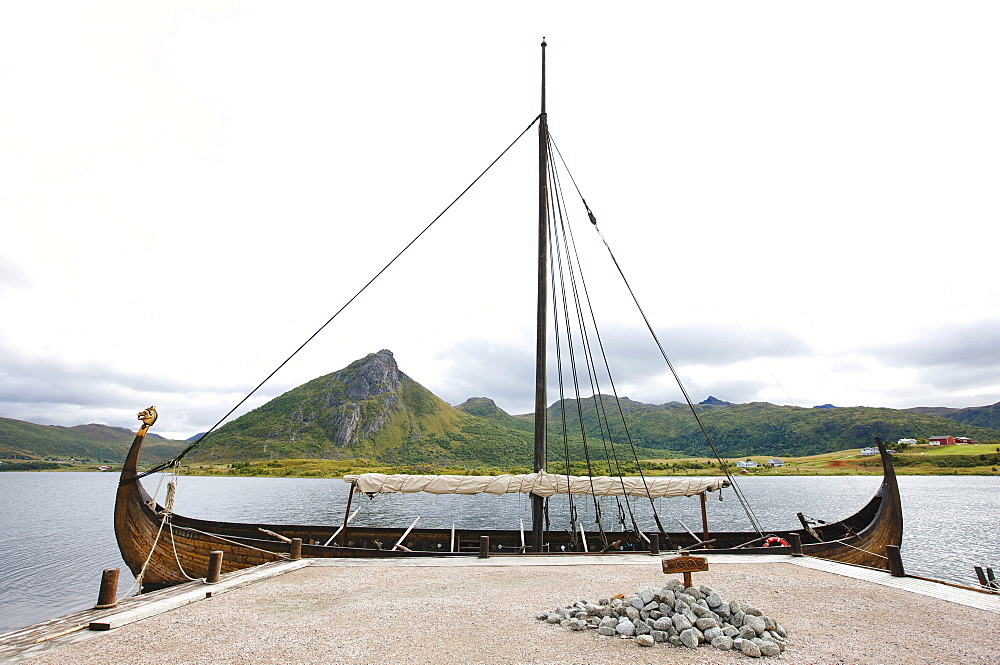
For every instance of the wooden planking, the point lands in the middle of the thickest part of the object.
(31, 641)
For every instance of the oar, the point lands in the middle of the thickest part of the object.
(341, 528)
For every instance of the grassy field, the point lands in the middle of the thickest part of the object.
(980, 460)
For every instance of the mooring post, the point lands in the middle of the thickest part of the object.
(214, 566)
(895, 561)
(654, 544)
(296, 549)
(795, 540)
(484, 547)
(108, 596)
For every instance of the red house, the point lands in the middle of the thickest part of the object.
(942, 441)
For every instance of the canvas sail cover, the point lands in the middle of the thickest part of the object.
(542, 484)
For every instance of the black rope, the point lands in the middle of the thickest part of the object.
(722, 463)
(174, 461)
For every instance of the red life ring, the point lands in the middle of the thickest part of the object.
(774, 541)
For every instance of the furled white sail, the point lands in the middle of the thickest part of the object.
(542, 484)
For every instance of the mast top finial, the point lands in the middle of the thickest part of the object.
(543, 42)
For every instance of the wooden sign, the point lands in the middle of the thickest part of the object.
(685, 564)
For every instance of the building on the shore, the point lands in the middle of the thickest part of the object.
(747, 464)
(942, 440)
(872, 450)
(774, 461)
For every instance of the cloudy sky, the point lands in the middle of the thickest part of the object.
(803, 195)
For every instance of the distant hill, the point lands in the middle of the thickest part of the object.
(95, 442)
(372, 410)
(977, 416)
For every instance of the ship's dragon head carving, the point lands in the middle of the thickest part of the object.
(148, 417)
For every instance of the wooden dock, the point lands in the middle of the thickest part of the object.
(289, 605)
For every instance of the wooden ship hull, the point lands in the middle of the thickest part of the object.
(166, 548)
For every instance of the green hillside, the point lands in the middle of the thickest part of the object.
(23, 440)
(977, 416)
(370, 410)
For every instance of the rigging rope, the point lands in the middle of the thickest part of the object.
(183, 453)
(722, 464)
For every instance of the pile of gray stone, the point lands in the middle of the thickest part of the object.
(688, 617)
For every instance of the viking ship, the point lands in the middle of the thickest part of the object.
(164, 548)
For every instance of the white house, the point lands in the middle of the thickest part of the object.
(908, 442)
(869, 451)
(747, 464)
(774, 461)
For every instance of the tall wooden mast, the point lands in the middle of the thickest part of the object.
(537, 502)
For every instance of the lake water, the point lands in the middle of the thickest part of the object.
(57, 533)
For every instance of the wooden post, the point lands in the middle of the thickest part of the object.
(795, 540)
(704, 515)
(654, 544)
(895, 561)
(484, 547)
(108, 596)
(214, 566)
(295, 552)
(347, 512)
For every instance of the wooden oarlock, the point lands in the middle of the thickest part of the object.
(685, 564)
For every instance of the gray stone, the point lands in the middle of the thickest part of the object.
(689, 638)
(686, 597)
(769, 623)
(662, 623)
(626, 628)
(542, 616)
(607, 632)
(553, 618)
(753, 611)
(781, 631)
(723, 611)
(659, 635)
(609, 622)
(712, 633)
(713, 599)
(655, 614)
(746, 632)
(756, 623)
(735, 606)
(666, 596)
(646, 595)
(768, 648)
(642, 628)
(666, 608)
(577, 624)
(702, 612)
(694, 593)
(737, 618)
(604, 601)
(723, 643)
(681, 622)
(730, 630)
(704, 623)
(748, 648)
(675, 640)
(644, 640)
(636, 602)
(705, 590)
(691, 616)
(632, 614)
(649, 607)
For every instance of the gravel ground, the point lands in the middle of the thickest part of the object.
(382, 614)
